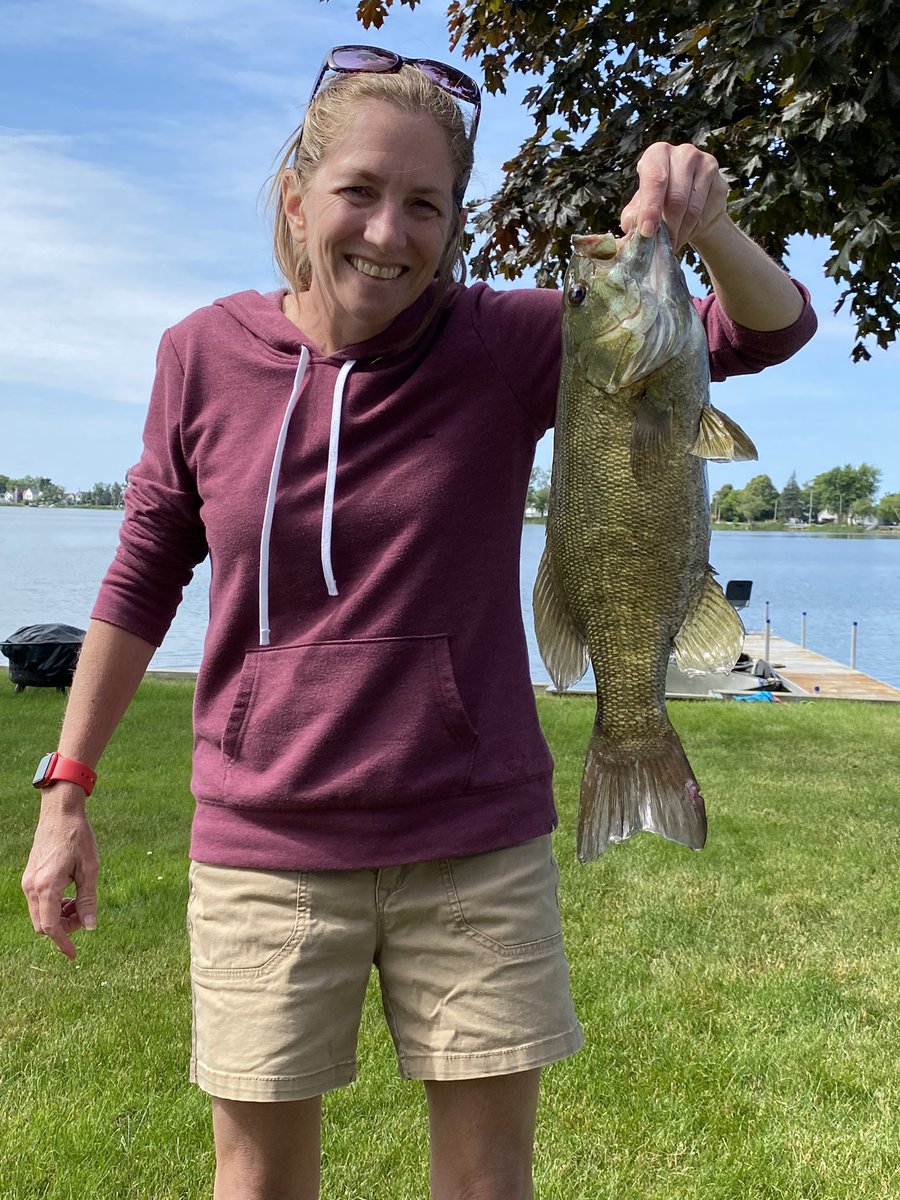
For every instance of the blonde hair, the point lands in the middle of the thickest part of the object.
(324, 122)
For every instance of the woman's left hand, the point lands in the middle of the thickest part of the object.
(680, 185)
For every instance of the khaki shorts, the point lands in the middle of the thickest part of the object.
(469, 951)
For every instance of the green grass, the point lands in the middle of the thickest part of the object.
(740, 1005)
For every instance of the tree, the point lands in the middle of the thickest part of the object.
(539, 490)
(792, 503)
(100, 495)
(799, 101)
(719, 496)
(52, 493)
(730, 506)
(888, 509)
(842, 487)
(757, 500)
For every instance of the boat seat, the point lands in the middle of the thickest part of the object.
(737, 592)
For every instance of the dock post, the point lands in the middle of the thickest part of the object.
(768, 635)
(853, 645)
(767, 612)
(803, 631)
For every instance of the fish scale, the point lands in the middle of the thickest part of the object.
(625, 576)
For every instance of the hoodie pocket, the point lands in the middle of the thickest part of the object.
(362, 723)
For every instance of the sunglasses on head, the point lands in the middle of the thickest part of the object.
(349, 60)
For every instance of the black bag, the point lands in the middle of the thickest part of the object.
(43, 655)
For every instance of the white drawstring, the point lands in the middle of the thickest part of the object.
(330, 482)
(299, 377)
(331, 476)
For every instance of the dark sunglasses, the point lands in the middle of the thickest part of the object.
(347, 60)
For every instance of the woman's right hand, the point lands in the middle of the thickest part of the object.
(64, 852)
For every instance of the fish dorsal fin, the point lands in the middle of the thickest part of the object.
(712, 634)
(722, 439)
(651, 435)
(563, 649)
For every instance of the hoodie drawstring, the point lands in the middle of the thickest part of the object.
(331, 476)
(330, 481)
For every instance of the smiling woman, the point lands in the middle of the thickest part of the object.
(329, 121)
(374, 221)
(373, 787)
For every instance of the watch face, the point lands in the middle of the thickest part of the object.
(40, 775)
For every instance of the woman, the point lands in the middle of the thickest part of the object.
(371, 781)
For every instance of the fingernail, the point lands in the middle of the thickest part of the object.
(90, 921)
(647, 229)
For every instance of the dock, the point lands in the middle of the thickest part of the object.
(811, 675)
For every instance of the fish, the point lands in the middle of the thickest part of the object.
(624, 579)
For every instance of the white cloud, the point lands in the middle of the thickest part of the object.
(95, 268)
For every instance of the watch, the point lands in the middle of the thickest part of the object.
(54, 766)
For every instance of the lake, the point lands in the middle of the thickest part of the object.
(52, 561)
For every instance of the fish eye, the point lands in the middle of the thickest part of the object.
(577, 294)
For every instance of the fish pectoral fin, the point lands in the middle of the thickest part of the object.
(563, 648)
(651, 435)
(722, 439)
(712, 634)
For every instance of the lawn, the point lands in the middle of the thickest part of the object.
(740, 1005)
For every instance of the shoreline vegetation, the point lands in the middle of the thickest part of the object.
(824, 530)
(738, 1004)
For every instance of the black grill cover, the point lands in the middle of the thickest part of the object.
(43, 655)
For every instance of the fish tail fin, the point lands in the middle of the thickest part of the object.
(625, 791)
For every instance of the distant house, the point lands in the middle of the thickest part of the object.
(28, 496)
(827, 517)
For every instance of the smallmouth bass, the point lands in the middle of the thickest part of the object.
(625, 575)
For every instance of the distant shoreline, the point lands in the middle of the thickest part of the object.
(839, 531)
(65, 507)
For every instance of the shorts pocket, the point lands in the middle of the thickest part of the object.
(241, 921)
(364, 722)
(507, 899)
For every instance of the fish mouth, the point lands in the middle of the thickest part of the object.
(600, 247)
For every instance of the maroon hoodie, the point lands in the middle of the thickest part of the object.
(364, 698)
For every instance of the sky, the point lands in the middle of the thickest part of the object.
(136, 139)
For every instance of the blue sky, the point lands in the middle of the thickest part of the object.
(136, 137)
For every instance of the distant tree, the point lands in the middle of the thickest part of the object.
(539, 490)
(716, 504)
(100, 495)
(52, 493)
(841, 487)
(888, 509)
(730, 505)
(799, 102)
(792, 506)
(757, 499)
(861, 509)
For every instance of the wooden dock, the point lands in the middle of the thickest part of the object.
(812, 675)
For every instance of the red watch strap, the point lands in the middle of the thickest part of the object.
(54, 766)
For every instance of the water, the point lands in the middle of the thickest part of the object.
(52, 561)
(835, 580)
